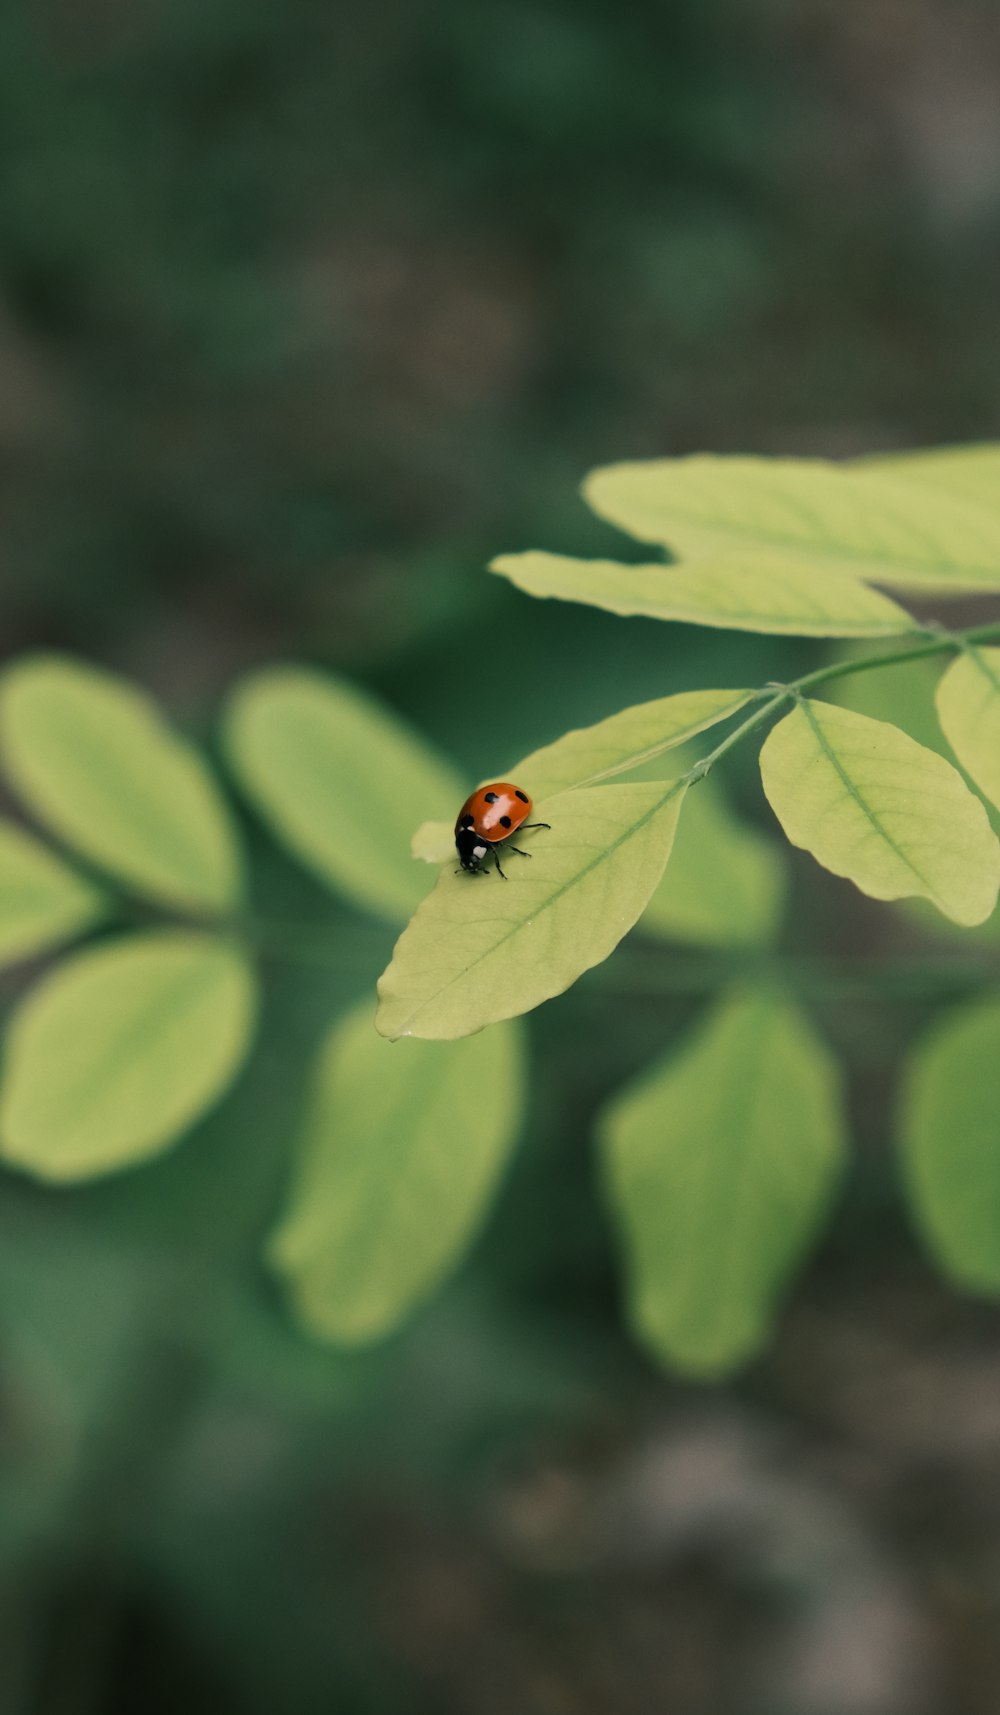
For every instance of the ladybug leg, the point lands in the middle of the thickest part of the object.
(518, 850)
(528, 825)
(496, 860)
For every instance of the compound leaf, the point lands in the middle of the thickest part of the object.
(94, 759)
(480, 949)
(968, 705)
(764, 593)
(120, 1049)
(871, 804)
(950, 1143)
(720, 1162)
(403, 1146)
(42, 901)
(866, 519)
(341, 781)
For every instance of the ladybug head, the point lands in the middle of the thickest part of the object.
(471, 848)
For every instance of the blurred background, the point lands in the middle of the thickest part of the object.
(306, 311)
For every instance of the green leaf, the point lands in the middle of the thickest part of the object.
(42, 901)
(120, 1050)
(433, 842)
(968, 705)
(94, 759)
(757, 593)
(589, 755)
(480, 949)
(871, 804)
(972, 471)
(341, 781)
(950, 1142)
(906, 698)
(725, 883)
(403, 1147)
(720, 1163)
(865, 519)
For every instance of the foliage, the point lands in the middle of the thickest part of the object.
(396, 1171)
(722, 1160)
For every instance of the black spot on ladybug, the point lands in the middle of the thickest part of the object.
(505, 821)
(466, 822)
(491, 797)
(522, 795)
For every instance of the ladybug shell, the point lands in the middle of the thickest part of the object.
(494, 811)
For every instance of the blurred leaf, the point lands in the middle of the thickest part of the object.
(720, 1163)
(94, 759)
(864, 519)
(403, 1147)
(972, 471)
(480, 949)
(968, 705)
(120, 1050)
(871, 804)
(341, 781)
(623, 741)
(950, 1143)
(725, 883)
(904, 696)
(42, 901)
(752, 593)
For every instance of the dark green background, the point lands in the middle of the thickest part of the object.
(306, 310)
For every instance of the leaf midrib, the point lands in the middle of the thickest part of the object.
(718, 525)
(682, 611)
(737, 1096)
(862, 803)
(978, 659)
(603, 856)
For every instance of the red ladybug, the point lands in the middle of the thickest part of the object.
(487, 820)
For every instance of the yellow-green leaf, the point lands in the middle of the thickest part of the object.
(403, 1146)
(760, 592)
(120, 1049)
(42, 901)
(480, 949)
(950, 1138)
(94, 759)
(433, 842)
(865, 519)
(631, 739)
(871, 804)
(341, 781)
(720, 1162)
(591, 754)
(972, 471)
(968, 705)
(725, 883)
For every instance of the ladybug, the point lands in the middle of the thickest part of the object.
(487, 820)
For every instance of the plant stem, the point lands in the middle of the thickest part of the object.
(936, 643)
(304, 943)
